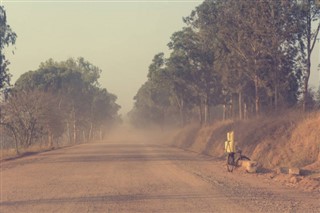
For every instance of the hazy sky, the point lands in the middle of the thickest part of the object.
(120, 37)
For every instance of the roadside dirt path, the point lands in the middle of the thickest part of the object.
(139, 177)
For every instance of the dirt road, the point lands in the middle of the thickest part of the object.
(139, 177)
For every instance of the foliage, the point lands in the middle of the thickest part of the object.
(29, 114)
(80, 109)
(249, 56)
(7, 37)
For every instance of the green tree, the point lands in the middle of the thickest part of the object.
(7, 37)
(178, 75)
(153, 98)
(309, 15)
(259, 39)
(75, 83)
(198, 71)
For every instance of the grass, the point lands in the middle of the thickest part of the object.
(291, 139)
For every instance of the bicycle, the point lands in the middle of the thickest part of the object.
(233, 159)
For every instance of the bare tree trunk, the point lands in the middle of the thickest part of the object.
(229, 112)
(311, 40)
(84, 136)
(206, 109)
(257, 100)
(16, 141)
(240, 106)
(74, 132)
(41, 141)
(16, 145)
(306, 78)
(30, 135)
(50, 139)
(181, 111)
(100, 134)
(90, 131)
(74, 126)
(306, 85)
(182, 122)
(163, 118)
(201, 113)
(231, 109)
(57, 141)
(276, 97)
(180, 104)
(224, 116)
(69, 132)
(245, 111)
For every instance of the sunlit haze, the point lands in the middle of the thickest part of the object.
(120, 37)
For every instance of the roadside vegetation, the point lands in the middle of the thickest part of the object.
(238, 64)
(233, 60)
(60, 103)
(290, 140)
(242, 66)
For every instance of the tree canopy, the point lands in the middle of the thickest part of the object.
(7, 37)
(235, 59)
(80, 110)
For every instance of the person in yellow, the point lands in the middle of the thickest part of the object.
(230, 149)
(230, 144)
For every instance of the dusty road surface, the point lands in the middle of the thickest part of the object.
(133, 176)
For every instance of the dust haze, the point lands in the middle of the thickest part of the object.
(128, 133)
(133, 170)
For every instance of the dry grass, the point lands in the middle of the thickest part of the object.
(291, 139)
(7, 154)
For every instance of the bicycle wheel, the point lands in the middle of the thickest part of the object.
(230, 162)
(243, 157)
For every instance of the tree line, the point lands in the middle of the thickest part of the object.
(60, 102)
(233, 59)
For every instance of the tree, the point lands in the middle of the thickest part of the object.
(28, 115)
(258, 41)
(317, 98)
(198, 70)
(178, 76)
(309, 14)
(75, 84)
(153, 98)
(245, 54)
(7, 37)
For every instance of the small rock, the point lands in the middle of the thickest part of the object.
(251, 169)
(282, 170)
(271, 176)
(293, 180)
(247, 163)
(250, 166)
(294, 171)
(278, 171)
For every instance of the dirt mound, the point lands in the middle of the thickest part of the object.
(291, 140)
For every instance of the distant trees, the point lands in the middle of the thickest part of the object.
(237, 59)
(59, 99)
(152, 99)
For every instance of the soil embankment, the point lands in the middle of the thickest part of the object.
(276, 143)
